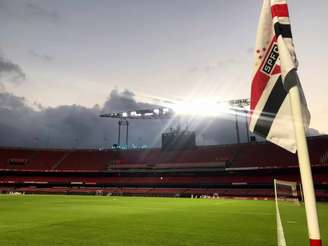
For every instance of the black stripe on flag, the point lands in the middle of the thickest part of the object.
(283, 29)
(271, 108)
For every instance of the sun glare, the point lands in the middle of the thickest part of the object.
(200, 108)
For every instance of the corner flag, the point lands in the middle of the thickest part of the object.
(274, 74)
(278, 107)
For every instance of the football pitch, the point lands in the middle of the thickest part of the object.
(121, 221)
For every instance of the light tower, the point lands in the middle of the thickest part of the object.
(238, 106)
(123, 122)
(235, 106)
(144, 114)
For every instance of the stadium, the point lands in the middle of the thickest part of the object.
(213, 184)
(188, 148)
(236, 170)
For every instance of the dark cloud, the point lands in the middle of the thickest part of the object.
(76, 126)
(64, 126)
(9, 73)
(70, 125)
(120, 101)
(8, 68)
(13, 103)
(41, 56)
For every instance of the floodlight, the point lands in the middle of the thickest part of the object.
(156, 111)
(165, 110)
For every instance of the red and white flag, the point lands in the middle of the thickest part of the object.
(274, 74)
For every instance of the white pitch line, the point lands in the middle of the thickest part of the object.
(280, 230)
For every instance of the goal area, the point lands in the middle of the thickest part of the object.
(286, 192)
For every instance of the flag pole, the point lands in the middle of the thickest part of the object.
(305, 168)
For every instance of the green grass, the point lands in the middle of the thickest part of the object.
(118, 221)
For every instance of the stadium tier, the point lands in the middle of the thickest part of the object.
(242, 170)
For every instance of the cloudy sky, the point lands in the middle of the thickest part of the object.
(55, 54)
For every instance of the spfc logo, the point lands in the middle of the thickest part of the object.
(271, 60)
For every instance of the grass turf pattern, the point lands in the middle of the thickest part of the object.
(121, 221)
